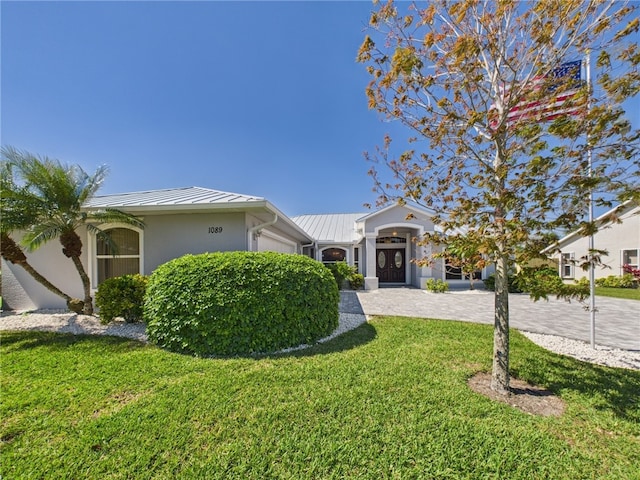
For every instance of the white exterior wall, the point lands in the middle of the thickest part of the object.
(171, 236)
(164, 238)
(612, 238)
(21, 292)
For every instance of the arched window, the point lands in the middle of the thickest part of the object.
(118, 254)
(333, 255)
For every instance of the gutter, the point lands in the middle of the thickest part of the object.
(257, 228)
(313, 244)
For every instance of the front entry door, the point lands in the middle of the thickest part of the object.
(390, 267)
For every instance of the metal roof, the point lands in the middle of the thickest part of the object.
(171, 197)
(333, 227)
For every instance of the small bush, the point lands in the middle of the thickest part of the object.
(584, 282)
(613, 281)
(512, 286)
(539, 281)
(436, 285)
(340, 271)
(356, 281)
(346, 274)
(229, 303)
(122, 297)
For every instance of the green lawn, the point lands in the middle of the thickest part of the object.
(630, 293)
(387, 400)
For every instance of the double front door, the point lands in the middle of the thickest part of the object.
(390, 265)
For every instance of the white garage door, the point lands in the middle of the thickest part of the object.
(269, 242)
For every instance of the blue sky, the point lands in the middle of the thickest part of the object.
(260, 98)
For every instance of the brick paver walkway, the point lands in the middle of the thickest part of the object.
(617, 320)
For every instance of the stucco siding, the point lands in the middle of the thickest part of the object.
(171, 236)
(613, 238)
(397, 216)
(21, 292)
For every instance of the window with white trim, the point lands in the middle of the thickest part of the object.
(566, 265)
(453, 272)
(122, 260)
(631, 257)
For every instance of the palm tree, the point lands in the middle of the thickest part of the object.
(14, 218)
(49, 204)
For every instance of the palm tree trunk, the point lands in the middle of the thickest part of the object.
(11, 252)
(86, 284)
(72, 248)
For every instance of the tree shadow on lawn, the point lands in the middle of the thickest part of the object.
(613, 389)
(57, 341)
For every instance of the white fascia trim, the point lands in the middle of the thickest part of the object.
(290, 223)
(182, 207)
(621, 209)
(409, 205)
(411, 226)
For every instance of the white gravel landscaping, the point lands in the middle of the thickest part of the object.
(65, 322)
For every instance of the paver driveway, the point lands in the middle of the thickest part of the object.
(617, 320)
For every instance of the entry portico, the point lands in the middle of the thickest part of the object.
(380, 244)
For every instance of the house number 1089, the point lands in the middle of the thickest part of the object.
(215, 229)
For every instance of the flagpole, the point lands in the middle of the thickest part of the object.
(592, 296)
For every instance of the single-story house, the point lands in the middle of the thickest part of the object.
(196, 220)
(621, 240)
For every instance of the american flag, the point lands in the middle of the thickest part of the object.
(560, 86)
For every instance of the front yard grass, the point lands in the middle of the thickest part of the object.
(628, 293)
(387, 400)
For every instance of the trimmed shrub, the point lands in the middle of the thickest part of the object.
(436, 285)
(346, 275)
(121, 297)
(356, 281)
(230, 303)
(614, 281)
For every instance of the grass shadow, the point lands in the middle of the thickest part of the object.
(607, 389)
(351, 339)
(54, 341)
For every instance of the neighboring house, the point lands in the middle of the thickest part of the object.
(197, 220)
(620, 239)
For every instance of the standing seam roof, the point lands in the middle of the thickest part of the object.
(175, 196)
(336, 227)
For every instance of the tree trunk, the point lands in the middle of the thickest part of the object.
(11, 252)
(500, 369)
(86, 285)
(72, 248)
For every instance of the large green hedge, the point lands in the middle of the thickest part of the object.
(229, 303)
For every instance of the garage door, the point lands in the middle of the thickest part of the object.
(272, 243)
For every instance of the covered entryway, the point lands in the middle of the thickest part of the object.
(390, 265)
